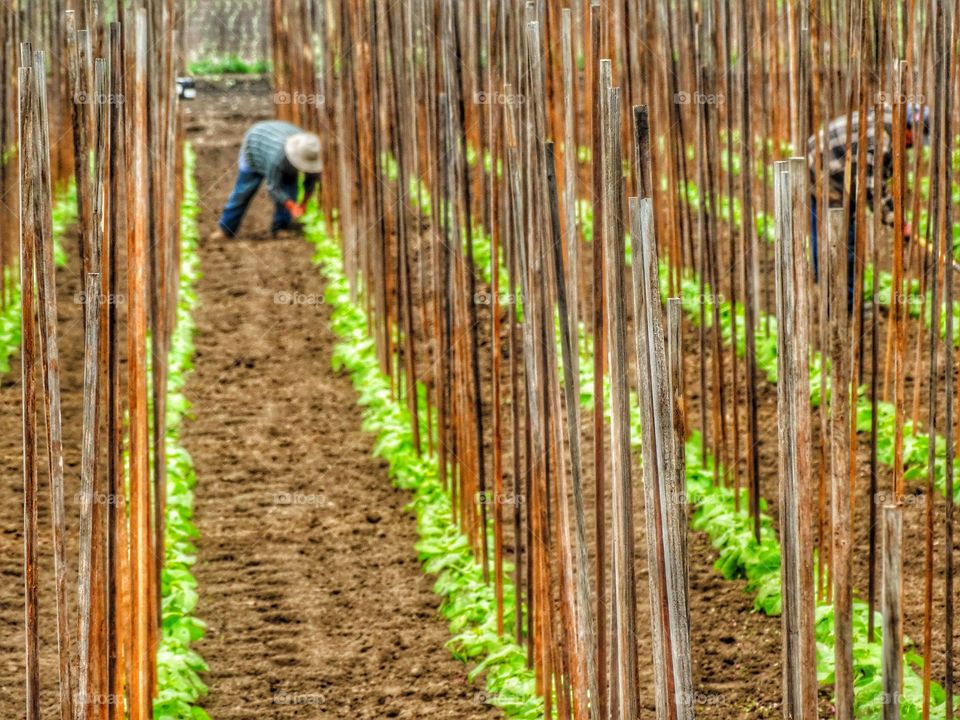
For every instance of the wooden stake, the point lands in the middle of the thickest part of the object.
(140, 535)
(118, 544)
(663, 484)
(597, 330)
(91, 376)
(664, 688)
(842, 552)
(749, 279)
(50, 360)
(586, 639)
(29, 179)
(623, 679)
(793, 397)
(892, 611)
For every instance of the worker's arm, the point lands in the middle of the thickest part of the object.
(298, 209)
(885, 205)
(886, 208)
(280, 196)
(275, 187)
(310, 181)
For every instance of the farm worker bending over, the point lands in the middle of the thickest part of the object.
(277, 152)
(836, 146)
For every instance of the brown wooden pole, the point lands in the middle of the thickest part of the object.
(855, 212)
(842, 552)
(570, 185)
(570, 673)
(513, 263)
(141, 551)
(728, 107)
(29, 176)
(666, 504)
(749, 279)
(659, 601)
(79, 92)
(91, 376)
(624, 678)
(99, 686)
(820, 117)
(50, 359)
(586, 639)
(677, 386)
(799, 668)
(599, 352)
(875, 337)
(118, 543)
(892, 610)
(949, 362)
(938, 237)
(899, 319)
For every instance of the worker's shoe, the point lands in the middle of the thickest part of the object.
(294, 229)
(218, 235)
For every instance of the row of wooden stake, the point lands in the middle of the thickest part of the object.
(115, 82)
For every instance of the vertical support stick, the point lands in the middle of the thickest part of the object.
(624, 640)
(675, 361)
(793, 397)
(568, 339)
(118, 544)
(842, 551)
(50, 360)
(666, 506)
(28, 390)
(91, 346)
(892, 612)
(140, 551)
(600, 519)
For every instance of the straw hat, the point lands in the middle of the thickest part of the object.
(303, 152)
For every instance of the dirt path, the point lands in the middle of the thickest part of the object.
(315, 601)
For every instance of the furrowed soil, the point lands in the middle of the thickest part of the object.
(315, 602)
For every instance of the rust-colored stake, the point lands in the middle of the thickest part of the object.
(29, 179)
(141, 557)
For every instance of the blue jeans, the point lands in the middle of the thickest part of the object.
(248, 182)
(851, 250)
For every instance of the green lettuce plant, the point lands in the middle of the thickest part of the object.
(179, 687)
(469, 604)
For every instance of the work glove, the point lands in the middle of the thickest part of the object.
(295, 210)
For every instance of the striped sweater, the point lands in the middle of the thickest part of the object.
(836, 157)
(263, 152)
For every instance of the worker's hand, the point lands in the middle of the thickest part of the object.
(295, 210)
(907, 231)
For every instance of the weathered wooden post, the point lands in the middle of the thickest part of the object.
(892, 592)
(842, 541)
(793, 398)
